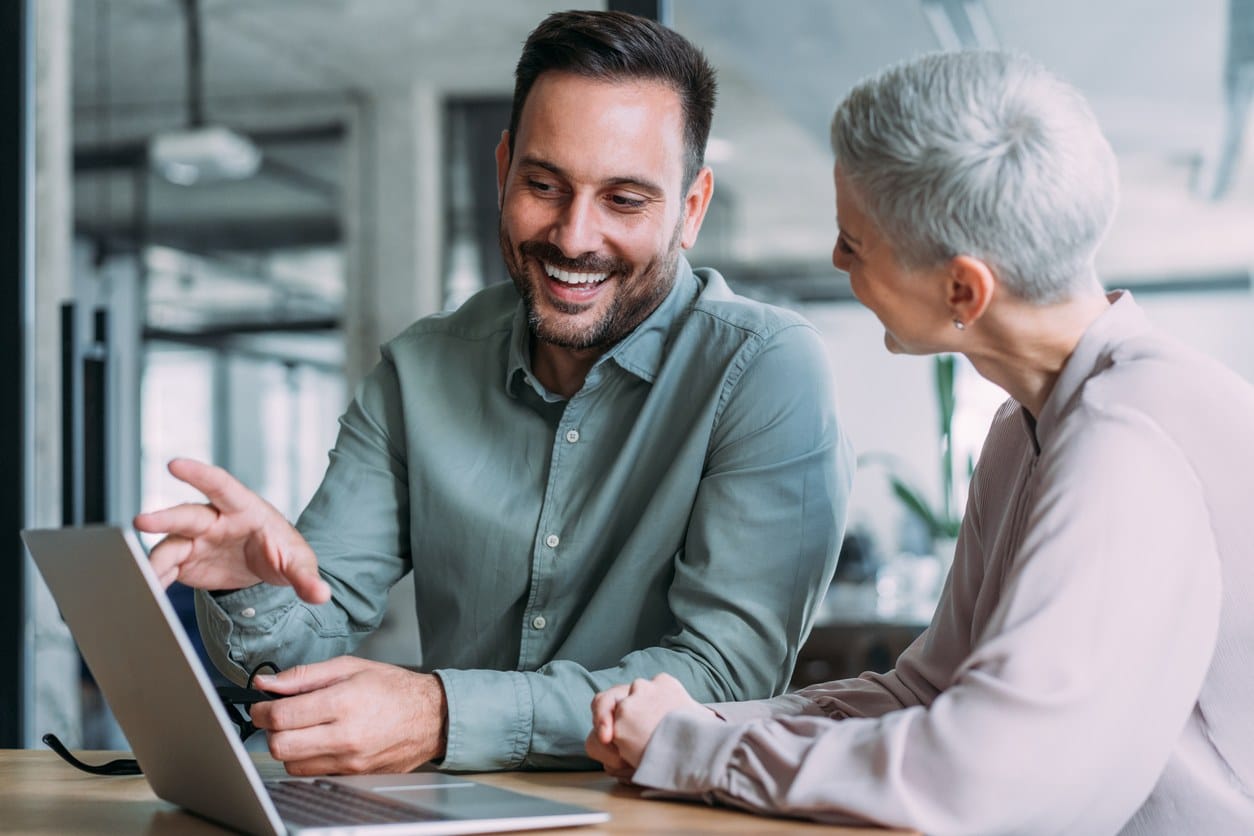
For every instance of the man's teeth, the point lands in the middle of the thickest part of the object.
(567, 277)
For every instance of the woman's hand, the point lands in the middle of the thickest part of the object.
(624, 718)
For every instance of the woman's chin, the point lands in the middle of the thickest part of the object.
(896, 346)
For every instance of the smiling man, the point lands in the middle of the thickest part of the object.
(613, 468)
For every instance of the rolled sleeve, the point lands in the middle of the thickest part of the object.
(265, 623)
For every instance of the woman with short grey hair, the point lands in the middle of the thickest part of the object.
(1090, 666)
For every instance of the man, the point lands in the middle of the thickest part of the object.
(613, 468)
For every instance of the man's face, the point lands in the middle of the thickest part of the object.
(592, 209)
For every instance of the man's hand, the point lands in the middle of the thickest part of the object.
(235, 540)
(351, 715)
(624, 718)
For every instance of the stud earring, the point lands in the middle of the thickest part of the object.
(960, 325)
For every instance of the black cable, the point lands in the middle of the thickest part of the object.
(121, 766)
(232, 698)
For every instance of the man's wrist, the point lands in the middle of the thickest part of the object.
(435, 712)
(442, 710)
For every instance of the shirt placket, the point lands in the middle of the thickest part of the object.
(540, 615)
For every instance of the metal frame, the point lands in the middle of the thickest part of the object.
(16, 307)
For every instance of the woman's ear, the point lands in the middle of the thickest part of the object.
(970, 288)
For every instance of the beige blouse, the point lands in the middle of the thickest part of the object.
(1090, 667)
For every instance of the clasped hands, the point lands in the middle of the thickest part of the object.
(624, 718)
(344, 715)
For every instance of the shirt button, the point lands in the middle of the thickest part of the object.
(539, 622)
(248, 612)
(552, 540)
(572, 436)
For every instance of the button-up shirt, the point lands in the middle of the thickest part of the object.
(680, 513)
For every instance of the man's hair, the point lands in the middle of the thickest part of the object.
(984, 154)
(613, 47)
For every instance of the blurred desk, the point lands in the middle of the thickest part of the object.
(858, 630)
(41, 794)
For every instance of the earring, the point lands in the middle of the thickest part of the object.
(960, 325)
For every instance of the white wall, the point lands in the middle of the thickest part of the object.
(887, 402)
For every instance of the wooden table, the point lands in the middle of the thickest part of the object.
(41, 794)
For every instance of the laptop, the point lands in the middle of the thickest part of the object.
(184, 741)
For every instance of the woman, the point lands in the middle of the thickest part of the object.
(1089, 668)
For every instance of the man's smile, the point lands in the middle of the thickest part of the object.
(572, 277)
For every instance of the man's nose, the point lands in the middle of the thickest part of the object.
(577, 229)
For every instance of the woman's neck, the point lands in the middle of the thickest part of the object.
(1022, 347)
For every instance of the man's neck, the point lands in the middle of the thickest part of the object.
(561, 370)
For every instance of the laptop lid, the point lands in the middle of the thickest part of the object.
(182, 738)
(147, 670)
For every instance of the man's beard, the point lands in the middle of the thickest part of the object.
(635, 297)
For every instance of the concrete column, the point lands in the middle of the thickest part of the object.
(56, 696)
(394, 225)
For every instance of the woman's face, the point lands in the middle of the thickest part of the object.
(909, 303)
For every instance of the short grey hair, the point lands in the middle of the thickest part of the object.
(986, 154)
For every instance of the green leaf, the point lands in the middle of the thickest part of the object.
(938, 524)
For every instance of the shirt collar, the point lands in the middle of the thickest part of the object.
(1092, 354)
(641, 352)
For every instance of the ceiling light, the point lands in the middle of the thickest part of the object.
(203, 155)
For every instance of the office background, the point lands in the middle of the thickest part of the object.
(218, 209)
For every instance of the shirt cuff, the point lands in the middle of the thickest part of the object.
(230, 622)
(489, 719)
(688, 753)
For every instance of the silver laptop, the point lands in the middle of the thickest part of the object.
(190, 753)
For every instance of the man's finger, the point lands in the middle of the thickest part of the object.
(321, 765)
(292, 562)
(304, 678)
(190, 519)
(307, 583)
(295, 745)
(220, 487)
(296, 712)
(169, 554)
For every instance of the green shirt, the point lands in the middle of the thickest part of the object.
(680, 513)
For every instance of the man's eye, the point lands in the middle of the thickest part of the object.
(540, 186)
(622, 201)
(843, 245)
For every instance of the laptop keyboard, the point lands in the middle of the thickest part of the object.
(323, 803)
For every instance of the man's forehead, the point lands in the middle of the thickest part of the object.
(630, 119)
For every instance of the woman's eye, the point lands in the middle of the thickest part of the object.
(843, 246)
